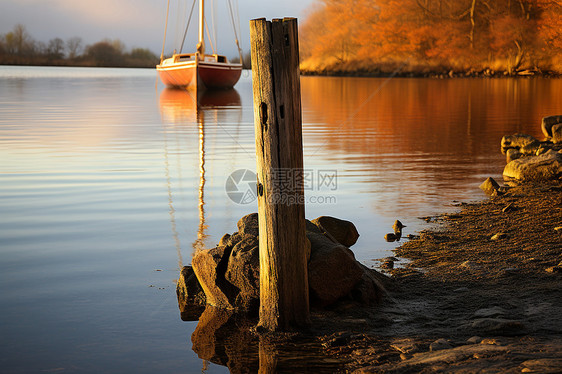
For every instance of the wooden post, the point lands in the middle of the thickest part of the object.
(278, 127)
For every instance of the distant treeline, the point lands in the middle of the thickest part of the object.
(17, 47)
(433, 36)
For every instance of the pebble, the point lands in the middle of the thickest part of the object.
(554, 269)
(490, 341)
(498, 236)
(474, 340)
(439, 344)
(499, 326)
(389, 259)
(470, 265)
(508, 208)
(461, 289)
(387, 265)
(489, 312)
(405, 346)
(404, 356)
(390, 237)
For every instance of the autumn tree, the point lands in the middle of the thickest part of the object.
(433, 34)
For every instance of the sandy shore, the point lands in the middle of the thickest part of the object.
(480, 291)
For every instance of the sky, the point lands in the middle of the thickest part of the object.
(139, 23)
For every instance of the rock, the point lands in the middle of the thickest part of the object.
(249, 224)
(542, 365)
(445, 356)
(510, 270)
(210, 266)
(406, 345)
(333, 271)
(498, 326)
(490, 341)
(557, 133)
(543, 148)
(369, 290)
(311, 227)
(474, 340)
(228, 275)
(224, 240)
(391, 237)
(234, 239)
(191, 297)
(512, 154)
(530, 149)
(547, 166)
(489, 312)
(554, 269)
(490, 186)
(498, 236)
(243, 271)
(387, 264)
(548, 123)
(509, 208)
(344, 232)
(526, 144)
(397, 227)
(461, 289)
(439, 345)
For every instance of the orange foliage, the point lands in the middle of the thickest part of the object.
(432, 34)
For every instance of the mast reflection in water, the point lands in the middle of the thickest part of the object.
(180, 107)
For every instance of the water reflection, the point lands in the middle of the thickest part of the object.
(388, 133)
(226, 338)
(182, 107)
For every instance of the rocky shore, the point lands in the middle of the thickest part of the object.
(479, 291)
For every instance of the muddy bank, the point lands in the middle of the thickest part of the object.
(481, 291)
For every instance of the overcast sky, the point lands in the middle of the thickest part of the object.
(138, 23)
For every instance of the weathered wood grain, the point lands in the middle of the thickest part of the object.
(278, 128)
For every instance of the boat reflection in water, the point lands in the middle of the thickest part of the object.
(182, 107)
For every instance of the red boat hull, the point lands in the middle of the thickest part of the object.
(200, 74)
(216, 75)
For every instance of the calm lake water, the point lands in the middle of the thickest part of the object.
(108, 183)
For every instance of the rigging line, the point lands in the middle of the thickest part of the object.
(213, 23)
(234, 28)
(209, 36)
(165, 31)
(178, 23)
(188, 23)
(237, 17)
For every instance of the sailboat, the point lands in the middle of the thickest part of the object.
(199, 70)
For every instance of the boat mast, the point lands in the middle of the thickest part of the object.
(201, 44)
